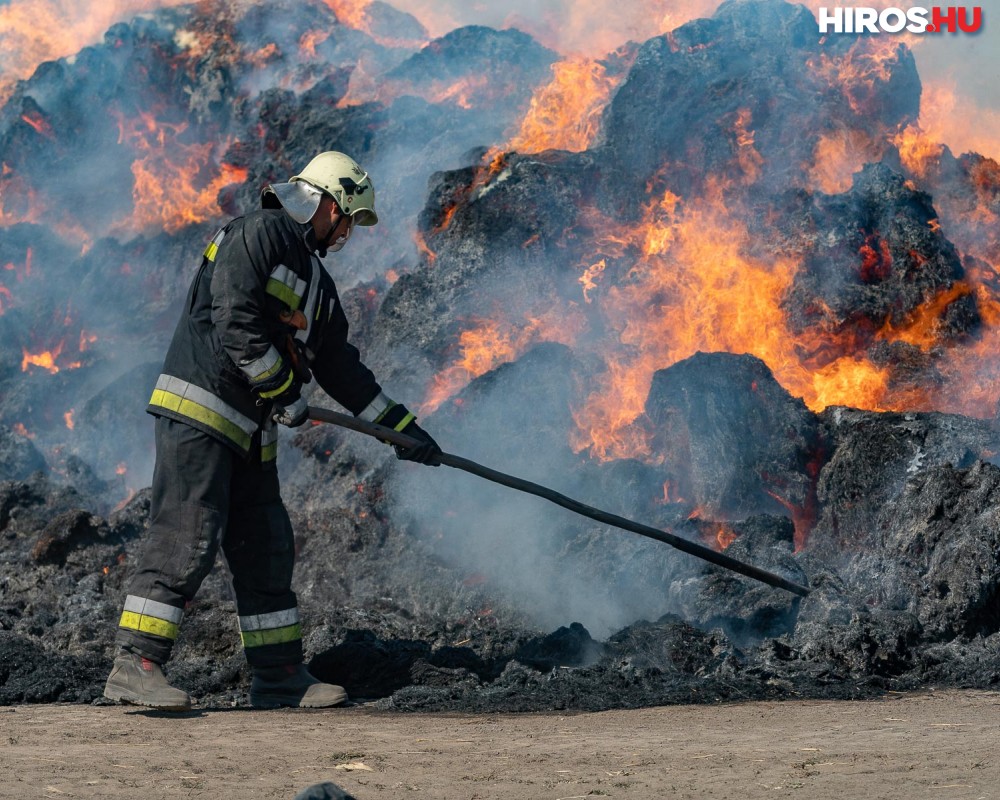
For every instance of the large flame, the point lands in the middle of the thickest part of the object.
(565, 113)
(33, 31)
(176, 183)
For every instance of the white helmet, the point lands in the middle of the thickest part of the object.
(337, 175)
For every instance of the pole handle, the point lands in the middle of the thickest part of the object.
(685, 545)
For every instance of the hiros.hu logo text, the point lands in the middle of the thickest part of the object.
(937, 19)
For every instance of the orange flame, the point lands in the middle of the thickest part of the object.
(724, 537)
(33, 31)
(68, 417)
(491, 343)
(310, 39)
(917, 150)
(958, 120)
(20, 430)
(46, 359)
(565, 114)
(837, 156)
(858, 73)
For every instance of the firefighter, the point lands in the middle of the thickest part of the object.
(262, 318)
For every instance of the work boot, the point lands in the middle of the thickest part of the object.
(141, 682)
(292, 685)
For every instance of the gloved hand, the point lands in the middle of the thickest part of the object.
(400, 419)
(293, 414)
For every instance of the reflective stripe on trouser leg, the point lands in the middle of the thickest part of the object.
(278, 627)
(190, 502)
(150, 616)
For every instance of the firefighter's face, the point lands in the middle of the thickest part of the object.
(331, 226)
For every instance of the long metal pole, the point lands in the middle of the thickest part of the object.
(706, 553)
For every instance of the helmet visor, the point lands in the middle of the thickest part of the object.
(298, 198)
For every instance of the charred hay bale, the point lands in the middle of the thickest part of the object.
(19, 458)
(69, 531)
(565, 647)
(842, 635)
(940, 547)
(736, 441)
(747, 610)
(962, 663)
(26, 507)
(871, 257)
(871, 455)
(646, 664)
(759, 61)
(877, 643)
(31, 674)
(671, 645)
(368, 666)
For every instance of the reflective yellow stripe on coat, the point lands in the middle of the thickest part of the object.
(198, 405)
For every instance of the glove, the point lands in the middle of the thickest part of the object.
(293, 414)
(400, 419)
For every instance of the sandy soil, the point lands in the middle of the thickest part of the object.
(931, 745)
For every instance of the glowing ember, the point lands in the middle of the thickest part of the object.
(68, 417)
(121, 469)
(20, 430)
(724, 537)
(46, 359)
(86, 339)
(40, 125)
(128, 499)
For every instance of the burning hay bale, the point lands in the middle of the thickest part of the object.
(747, 96)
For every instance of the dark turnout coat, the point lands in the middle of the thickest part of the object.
(240, 324)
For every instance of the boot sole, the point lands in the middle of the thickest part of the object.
(257, 701)
(131, 699)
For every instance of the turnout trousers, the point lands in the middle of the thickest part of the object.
(206, 496)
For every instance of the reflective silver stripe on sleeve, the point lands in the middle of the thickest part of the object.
(284, 275)
(263, 367)
(265, 622)
(168, 383)
(284, 284)
(313, 296)
(152, 608)
(287, 276)
(213, 246)
(376, 407)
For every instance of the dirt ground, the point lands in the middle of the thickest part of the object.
(928, 745)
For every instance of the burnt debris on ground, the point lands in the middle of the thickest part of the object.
(427, 589)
